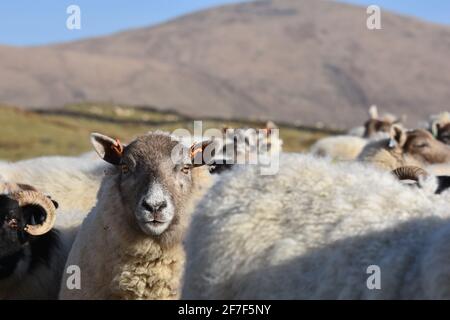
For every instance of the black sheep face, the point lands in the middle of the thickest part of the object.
(13, 220)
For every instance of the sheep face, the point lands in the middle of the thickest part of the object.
(419, 144)
(443, 133)
(154, 181)
(375, 127)
(154, 185)
(378, 127)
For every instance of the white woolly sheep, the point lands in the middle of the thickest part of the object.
(341, 148)
(348, 147)
(129, 246)
(249, 143)
(379, 127)
(406, 147)
(247, 146)
(439, 169)
(312, 231)
(74, 181)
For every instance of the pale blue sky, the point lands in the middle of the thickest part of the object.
(437, 11)
(34, 22)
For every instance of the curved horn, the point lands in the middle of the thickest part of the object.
(29, 197)
(409, 173)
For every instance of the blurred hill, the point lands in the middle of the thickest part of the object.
(300, 61)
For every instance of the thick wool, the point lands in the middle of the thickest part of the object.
(439, 169)
(311, 232)
(118, 261)
(72, 181)
(356, 131)
(342, 148)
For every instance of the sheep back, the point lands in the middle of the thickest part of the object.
(311, 231)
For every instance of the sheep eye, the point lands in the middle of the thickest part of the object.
(186, 169)
(125, 169)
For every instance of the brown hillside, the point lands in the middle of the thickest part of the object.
(291, 60)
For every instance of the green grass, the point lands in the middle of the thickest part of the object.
(122, 112)
(27, 134)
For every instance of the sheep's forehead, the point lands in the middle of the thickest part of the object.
(153, 148)
(420, 134)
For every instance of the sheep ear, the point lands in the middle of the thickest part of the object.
(373, 112)
(109, 149)
(202, 153)
(397, 136)
(271, 125)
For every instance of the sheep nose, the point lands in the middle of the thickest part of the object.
(154, 207)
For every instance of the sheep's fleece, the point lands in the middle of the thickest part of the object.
(341, 148)
(311, 232)
(72, 181)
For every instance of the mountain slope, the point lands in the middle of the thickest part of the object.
(291, 60)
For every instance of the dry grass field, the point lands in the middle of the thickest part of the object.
(26, 134)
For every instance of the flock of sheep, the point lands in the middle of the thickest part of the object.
(140, 221)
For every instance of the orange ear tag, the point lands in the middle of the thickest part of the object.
(118, 148)
(194, 151)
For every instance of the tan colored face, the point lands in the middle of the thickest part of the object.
(374, 126)
(421, 145)
(153, 184)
